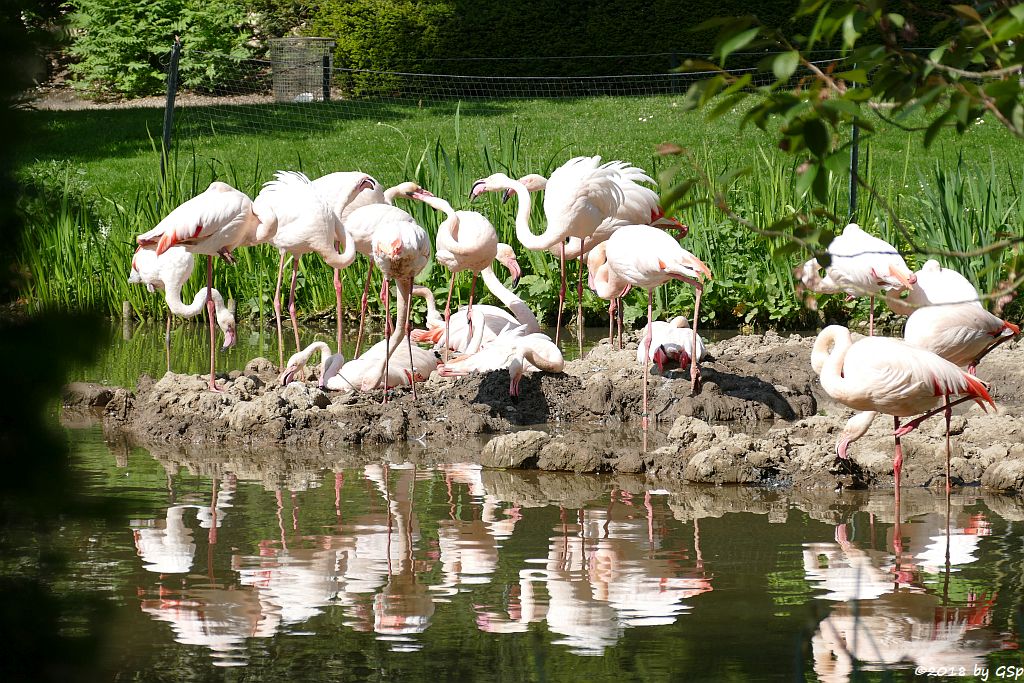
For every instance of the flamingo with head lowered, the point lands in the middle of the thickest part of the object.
(337, 375)
(169, 272)
(861, 265)
(644, 256)
(212, 223)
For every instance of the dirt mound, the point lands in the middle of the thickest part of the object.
(755, 422)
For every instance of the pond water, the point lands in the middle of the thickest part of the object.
(369, 566)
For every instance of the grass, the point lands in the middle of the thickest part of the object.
(94, 179)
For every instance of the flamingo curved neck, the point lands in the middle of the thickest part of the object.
(172, 295)
(343, 259)
(517, 306)
(523, 232)
(827, 358)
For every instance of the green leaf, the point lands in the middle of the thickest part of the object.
(934, 128)
(967, 12)
(736, 42)
(854, 76)
(785, 64)
(817, 137)
(805, 179)
(820, 185)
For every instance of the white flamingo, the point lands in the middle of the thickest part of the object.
(212, 223)
(671, 341)
(337, 375)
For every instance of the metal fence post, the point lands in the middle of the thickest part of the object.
(172, 91)
(327, 78)
(854, 159)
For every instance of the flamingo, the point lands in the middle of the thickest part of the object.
(644, 256)
(883, 375)
(296, 218)
(608, 285)
(361, 218)
(169, 272)
(338, 184)
(861, 264)
(580, 195)
(337, 375)
(673, 340)
(213, 223)
(401, 249)
(493, 317)
(513, 349)
(466, 240)
(947, 318)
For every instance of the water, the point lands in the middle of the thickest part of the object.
(367, 566)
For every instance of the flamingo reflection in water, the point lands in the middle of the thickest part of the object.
(892, 612)
(610, 575)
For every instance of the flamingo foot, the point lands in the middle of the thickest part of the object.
(696, 383)
(214, 388)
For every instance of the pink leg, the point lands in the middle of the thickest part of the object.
(338, 316)
(916, 422)
(408, 341)
(612, 315)
(695, 383)
(447, 317)
(647, 351)
(167, 341)
(291, 300)
(897, 463)
(618, 320)
(949, 415)
(386, 300)
(579, 306)
(362, 308)
(211, 314)
(469, 308)
(561, 293)
(871, 317)
(277, 314)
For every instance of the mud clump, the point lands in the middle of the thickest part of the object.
(760, 420)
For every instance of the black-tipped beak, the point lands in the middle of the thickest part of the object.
(286, 377)
(367, 183)
(479, 187)
(506, 195)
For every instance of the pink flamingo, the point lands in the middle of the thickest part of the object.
(169, 272)
(580, 195)
(362, 216)
(647, 257)
(213, 223)
(297, 219)
(883, 375)
(672, 341)
(608, 285)
(861, 265)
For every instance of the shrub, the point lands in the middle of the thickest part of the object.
(121, 46)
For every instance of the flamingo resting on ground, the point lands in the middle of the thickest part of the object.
(213, 223)
(337, 375)
(459, 335)
(883, 375)
(671, 341)
(644, 256)
(861, 265)
(169, 272)
(580, 195)
(297, 219)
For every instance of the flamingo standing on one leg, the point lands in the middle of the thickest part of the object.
(362, 216)
(297, 219)
(212, 223)
(861, 265)
(169, 272)
(401, 249)
(580, 195)
(647, 257)
(882, 375)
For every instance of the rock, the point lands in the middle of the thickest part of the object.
(570, 456)
(517, 450)
(1005, 476)
(86, 394)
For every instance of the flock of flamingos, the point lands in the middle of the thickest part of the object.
(606, 213)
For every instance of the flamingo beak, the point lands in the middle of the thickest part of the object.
(513, 268)
(506, 195)
(479, 187)
(700, 265)
(366, 183)
(229, 338)
(906, 280)
(287, 376)
(841, 447)
(421, 194)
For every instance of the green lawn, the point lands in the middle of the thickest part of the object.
(107, 163)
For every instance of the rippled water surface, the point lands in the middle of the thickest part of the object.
(297, 569)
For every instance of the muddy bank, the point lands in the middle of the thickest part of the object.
(760, 420)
